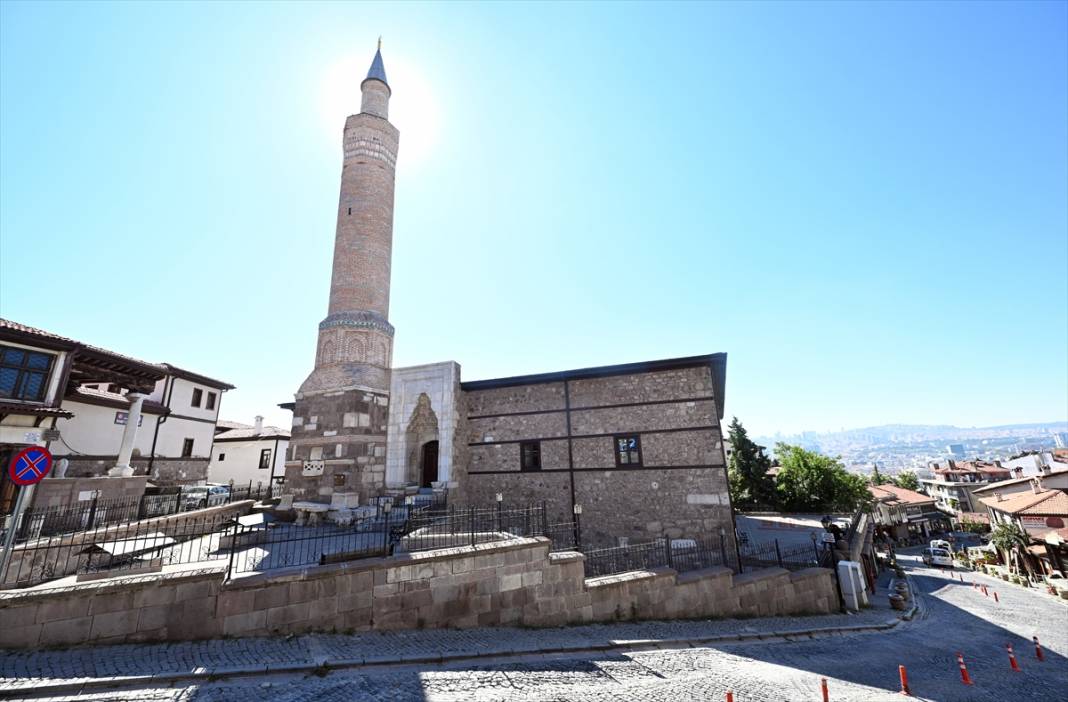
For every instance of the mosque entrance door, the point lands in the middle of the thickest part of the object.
(430, 464)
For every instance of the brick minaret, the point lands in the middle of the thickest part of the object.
(341, 410)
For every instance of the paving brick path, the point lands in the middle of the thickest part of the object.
(858, 666)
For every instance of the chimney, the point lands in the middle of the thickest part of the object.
(997, 464)
(259, 424)
(997, 496)
(952, 464)
(1045, 470)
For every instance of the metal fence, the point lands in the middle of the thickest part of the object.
(681, 554)
(91, 514)
(126, 548)
(772, 555)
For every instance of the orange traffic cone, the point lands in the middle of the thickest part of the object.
(1038, 649)
(964, 677)
(1012, 659)
(903, 674)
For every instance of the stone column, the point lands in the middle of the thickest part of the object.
(122, 466)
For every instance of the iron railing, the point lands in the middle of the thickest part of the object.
(135, 546)
(683, 555)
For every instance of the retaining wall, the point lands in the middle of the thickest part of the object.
(514, 582)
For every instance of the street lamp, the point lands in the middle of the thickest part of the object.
(500, 499)
(577, 509)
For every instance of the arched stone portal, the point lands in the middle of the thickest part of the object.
(422, 442)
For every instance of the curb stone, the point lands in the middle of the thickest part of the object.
(213, 675)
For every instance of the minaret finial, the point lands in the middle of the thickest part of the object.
(379, 42)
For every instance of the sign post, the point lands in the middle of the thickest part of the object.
(27, 468)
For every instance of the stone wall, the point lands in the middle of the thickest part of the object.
(164, 471)
(515, 582)
(678, 490)
(346, 430)
(79, 492)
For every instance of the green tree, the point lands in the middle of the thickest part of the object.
(907, 480)
(747, 471)
(811, 482)
(1010, 540)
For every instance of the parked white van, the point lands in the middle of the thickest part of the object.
(939, 557)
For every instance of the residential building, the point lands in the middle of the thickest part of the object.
(1060, 439)
(249, 455)
(901, 512)
(177, 427)
(1049, 478)
(955, 450)
(953, 484)
(1042, 514)
(110, 421)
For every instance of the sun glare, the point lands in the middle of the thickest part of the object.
(412, 107)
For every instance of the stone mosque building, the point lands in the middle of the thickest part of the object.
(638, 446)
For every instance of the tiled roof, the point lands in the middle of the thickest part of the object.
(85, 352)
(1016, 481)
(90, 395)
(227, 424)
(1046, 502)
(251, 434)
(33, 410)
(893, 493)
(33, 331)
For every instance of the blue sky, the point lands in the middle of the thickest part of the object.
(864, 205)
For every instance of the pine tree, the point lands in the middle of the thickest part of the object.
(750, 484)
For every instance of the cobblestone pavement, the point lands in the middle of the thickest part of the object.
(953, 617)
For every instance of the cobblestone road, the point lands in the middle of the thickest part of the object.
(954, 617)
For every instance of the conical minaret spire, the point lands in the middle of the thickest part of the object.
(378, 69)
(375, 88)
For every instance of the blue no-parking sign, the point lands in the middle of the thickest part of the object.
(30, 466)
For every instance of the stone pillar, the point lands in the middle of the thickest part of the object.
(122, 466)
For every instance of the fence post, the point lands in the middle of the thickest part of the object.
(233, 548)
(667, 552)
(778, 553)
(544, 519)
(723, 549)
(471, 518)
(92, 513)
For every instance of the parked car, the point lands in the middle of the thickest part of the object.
(944, 545)
(938, 557)
(201, 496)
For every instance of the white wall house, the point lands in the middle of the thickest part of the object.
(249, 454)
(173, 441)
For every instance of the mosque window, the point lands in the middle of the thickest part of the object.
(628, 450)
(530, 455)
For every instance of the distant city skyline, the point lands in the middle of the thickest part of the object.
(864, 205)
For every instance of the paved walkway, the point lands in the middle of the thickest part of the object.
(505, 664)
